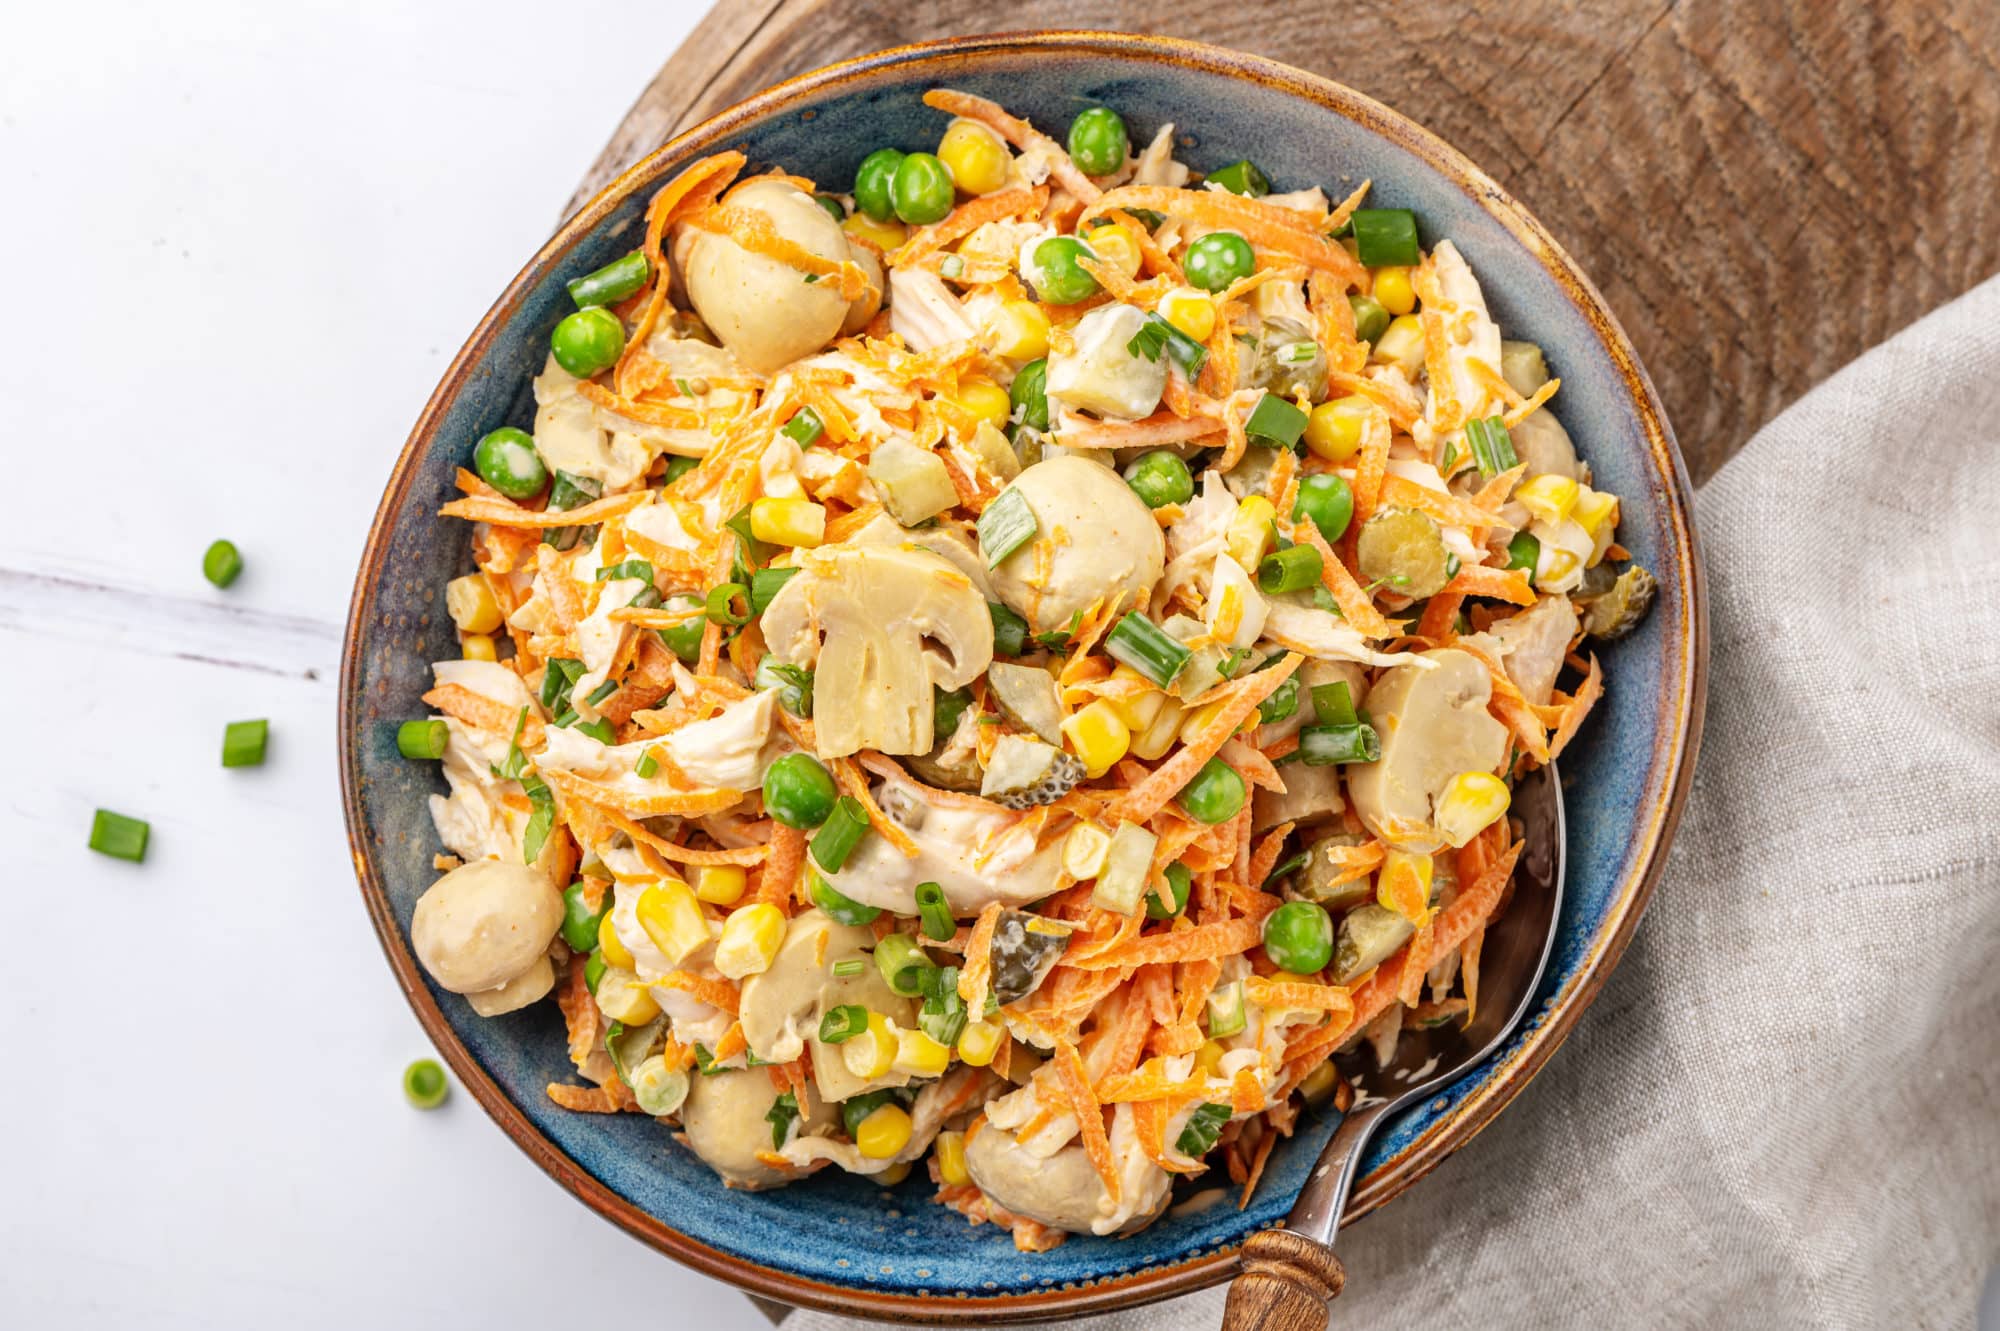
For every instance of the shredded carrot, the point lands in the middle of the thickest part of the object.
(1579, 707)
(689, 804)
(1355, 606)
(848, 774)
(1019, 133)
(584, 1099)
(1165, 781)
(1257, 1160)
(754, 231)
(1504, 584)
(1448, 509)
(1297, 995)
(500, 513)
(781, 872)
(1075, 1086)
(1268, 227)
(1201, 942)
(482, 713)
(718, 994)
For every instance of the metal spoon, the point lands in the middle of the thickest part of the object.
(1288, 1275)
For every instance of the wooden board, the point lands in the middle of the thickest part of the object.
(1761, 191)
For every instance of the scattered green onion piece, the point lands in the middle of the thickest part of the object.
(243, 743)
(851, 966)
(784, 1112)
(1333, 704)
(793, 683)
(839, 834)
(902, 964)
(1227, 1015)
(422, 739)
(543, 803)
(1322, 746)
(1492, 447)
(839, 907)
(1276, 420)
(935, 913)
(1289, 570)
(1525, 551)
(765, 584)
(720, 607)
(569, 492)
(1010, 631)
(601, 692)
(630, 568)
(1149, 649)
(220, 563)
(599, 730)
(1157, 335)
(843, 1023)
(804, 428)
(424, 1084)
(1371, 317)
(677, 468)
(615, 281)
(1282, 702)
(560, 675)
(1386, 237)
(119, 837)
(943, 1016)
(1197, 1139)
(1241, 178)
(684, 638)
(1179, 882)
(946, 710)
(581, 923)
(647, 767)
(1005, 526)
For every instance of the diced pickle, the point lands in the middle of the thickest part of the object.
(1027, 694)
(1315, 879)
(1618, 611)
(1368, 936)
(963, 775)
(1026, 948)
(1289, 359)
(1404, 551)
(1522, 366)
(1023, 773)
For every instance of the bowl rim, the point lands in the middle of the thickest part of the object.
(1654, 824)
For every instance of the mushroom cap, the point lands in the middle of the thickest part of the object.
(484, 923)
(1433, 724)
(1062, 1191)
(781, 1007)
(880, 626)
(1094, 540)
(531, 985)
(1098, 372)
(723, 1118)
(760, 308)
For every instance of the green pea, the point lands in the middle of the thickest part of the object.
(1328, 501)
(1179, 882)
(507, 461)
(1299, 937)
(1030, 395)
(871, 183)
(593, 970)
(1524, 551)
(798, 791)
(1371, 319)
(922, 190)
(424, 1084)
(684, 638)
(1215, 795)
(839, 907)
(588, 342)
(1059, 279)
(1217, 259)
(1097, 141)
(579, 926)
(1160, 478)
(834, 208)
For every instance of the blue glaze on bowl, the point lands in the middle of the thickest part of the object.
(822, 1240)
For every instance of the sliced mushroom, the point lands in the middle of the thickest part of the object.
(569, 438)
(763, 310)
(484, 924)
(881, 627)
(1311, 794)
(1534, 643)
(724, 1119)
(977, 856)
(1063, 1190)
(1434, 725)
(1094, 541)
(780, 1007)
(1100, 373)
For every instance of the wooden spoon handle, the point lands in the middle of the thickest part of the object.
(1285, 1284)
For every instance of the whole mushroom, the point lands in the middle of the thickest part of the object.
(724, 1119)
(484, 929)
(881, 627)
(1095, 540)
(1433, 723)
(1062, 1191)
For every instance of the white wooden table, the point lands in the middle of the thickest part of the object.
(242, 242)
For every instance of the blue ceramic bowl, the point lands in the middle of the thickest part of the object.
(835, 1242)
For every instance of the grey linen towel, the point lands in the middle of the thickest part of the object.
(1784, 1109)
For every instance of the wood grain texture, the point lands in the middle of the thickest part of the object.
(1285, 1284)
(1762, 190)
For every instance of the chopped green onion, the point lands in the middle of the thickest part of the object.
(935, 913)
(1322, 746)
(720, 608)
(630, 568)
(602, 691)
(1276, 420)
(647, 767)
(678, 467)
(1005, 526)
(1157, 335)
(220, 563)
(943, 1017)
(1525, 551)
(946, 710)
(843, 1023)
(784, 1112)
(793, 683)
(765, 584)
(1241, 178)
(243, 743)
(1291, 570)
(1197, 1139)
(422, 739)
(1010, 631)
(1334, 704)
(569, 492)
(1450, 456)
(1288, 866)
(851, 966)
(615, 281)
(558, 678)
(593, 970)
(839, 834)
(840, 908)
(543, 802)
(424, 1084)
(599, 730)
(1226, 1014)
(1492, 447)
(119, 837)
(1147, 648)
(804, 428)
(903, 964)
(1282, 702)
(1386, 237)
(1233, 662)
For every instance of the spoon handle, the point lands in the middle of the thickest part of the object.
(1285, 1284)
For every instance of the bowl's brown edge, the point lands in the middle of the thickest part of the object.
(1653, 831)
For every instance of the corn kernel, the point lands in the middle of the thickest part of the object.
(1190, 311)
(796, 522)
(1403, 884)
(919, 1055)
(1099, 736)
(1208, 1058)
(975, 156)
(672, 918)
(1393, 289)
(1333, 430)
(720, 884)
(884, 236)
(471, 605)
(1554, 568)
(883, 1133)
(1249, 534)
(1018, 330)
(893, 1175)
(872, 1053)
(1141, 700)
(750, 939)
(1402, 345)
(1196, 720)
(1320, 1084)
(1153, 742)
(979, 1043)
(615, 952)
(1470, 804)
(984, 400)
(951, 1159)
(1084, 849)
(1549, 497)
(622, 997)
(1597, 513)
(477, 647)
(1116, 245)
